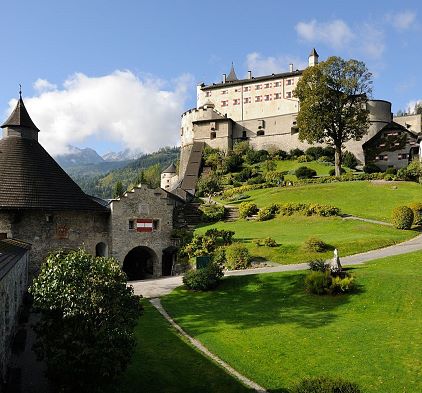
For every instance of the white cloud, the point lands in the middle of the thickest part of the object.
(371, 41)
(260, 65)
(138, 113)
(335, 33)
(402, 20)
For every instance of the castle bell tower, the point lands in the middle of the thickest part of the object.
(313, 58)
(19, 123)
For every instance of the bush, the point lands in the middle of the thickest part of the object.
(269, 165)
(269, 242)
(259, 179)
(325, 385)
(318, 265)
(325, 283)
(232, 163)
(255, 156)
(217, 234)
(308, 209)
(314, 153)
(304, 172)
(266, 213)
(281, 154)
(245, 174)
(88, 316)
(402, 217)
(208, 184)
(350, 160)
(371, 168)
(212, 213)
(391, 171)
(325, 159)
(295, 153)
(303, 158)
(414, 171)
(237, 257)
(199, 245)
(313, 244)
(219, 256)
(417, 213)
(247, 209)
(203, 279)
(332, 171)
(273, 177)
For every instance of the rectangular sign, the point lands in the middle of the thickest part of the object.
(144, 225)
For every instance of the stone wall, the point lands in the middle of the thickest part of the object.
(12, 289)
(47, 231)
(142, 203)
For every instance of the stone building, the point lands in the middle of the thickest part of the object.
(14, 258)
(263, 111)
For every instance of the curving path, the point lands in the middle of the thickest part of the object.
(162, 286)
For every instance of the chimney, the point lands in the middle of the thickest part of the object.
(290, 67)
(224, 78)
(249, 74)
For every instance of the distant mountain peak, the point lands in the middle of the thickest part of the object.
(77, 156)
(123, 155)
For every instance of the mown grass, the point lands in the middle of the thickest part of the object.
(348, 236)
(361, 198)
(164, 362)
(269, 329)
(321, 168)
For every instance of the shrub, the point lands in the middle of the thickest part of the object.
(216, 234)
(325, 385)
(269, 242)
(304, 172)
(212, 213)
(324, 159)
(313, 244)
(308, 209)
(247, 209)
(88, 316)
(318, 265)
(203, 279)
(255, 156)
(219, 256)
(391, 171)
(303, 158)
(265, 214)
(324, 282)
(208, 184)
(417, 212)
(350, 160)
(274, 177)
(281, 154)
(199, 245)
(232, 163)
(315, 152)
(259, 179)
(295, 153)
(245, 174)
(371, 168)
(237, 257)
(332, 171)
(341, 284)
(414, 171)
(269, 165)
(402, 217)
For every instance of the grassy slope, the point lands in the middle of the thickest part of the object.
(364, 199)
(164, 362)
(349, 236)
(321, 168)
(268, 328)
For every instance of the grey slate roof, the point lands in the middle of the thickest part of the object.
(31, 179)
(232, 75)
(170, 169)
(10, 252)
(20, 117)
(313, 53)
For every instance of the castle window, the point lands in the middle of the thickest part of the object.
(258, 87)
(207, 94)
(247, 100)
(213, 135)
(224, 92)
(277, 84)
(260, 133)
(258, 98)
(131, 225)
(237, 90)
(277, 96)
(267, 97)
(156, 225)
(3, 235)
(181, 131)
(402, 156)
(225, 103)
(289, 94)
(267, 85)
(290, 82)
(236, 101)
(243, 134)
(247, 88)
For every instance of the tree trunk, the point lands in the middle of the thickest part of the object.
(338, 160)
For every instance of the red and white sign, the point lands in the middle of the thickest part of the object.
(144, 225)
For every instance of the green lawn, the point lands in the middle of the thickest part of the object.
(360, 198)
(269, 329)
(348, 236)
(164, 362)
(321, 168)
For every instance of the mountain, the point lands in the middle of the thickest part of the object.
(123, 155)
(77, 156)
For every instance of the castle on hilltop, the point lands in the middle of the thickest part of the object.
(263, 111)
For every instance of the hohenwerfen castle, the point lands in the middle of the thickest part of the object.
(263, 111)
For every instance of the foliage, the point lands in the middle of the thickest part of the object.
(274, 178)
(417, 212)
(371, 168)
(245, 174)
(208, 184)
(255, 156)
(303, 158)
(241, 189)
(237, 257)
(350, 160)
(314, 244)
(296, 153)
(402, 217)
(199, 246)
(317, 152)
(269, 165)
(333, 96)
(213, 212)
(318, 265)
(88, 315)
(203, 279)
(212, 157)
(304, 172)
(308, 209)
(219, 256)
(118, 190)
(269, 242)
(267, 213)
(391, 171)
(258, 179)
(232, 163)
(332, 171)
(325, 283)
(241, 148)
(220, 236)
(413, 171)
(325, 385)
(247, 209)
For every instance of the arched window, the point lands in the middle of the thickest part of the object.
(260, 133)
(101, 250)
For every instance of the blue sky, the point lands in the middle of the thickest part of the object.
(117, 74)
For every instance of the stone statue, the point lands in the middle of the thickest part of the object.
(335, 265)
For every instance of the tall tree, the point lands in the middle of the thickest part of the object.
(118, 190)
(333, 97)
